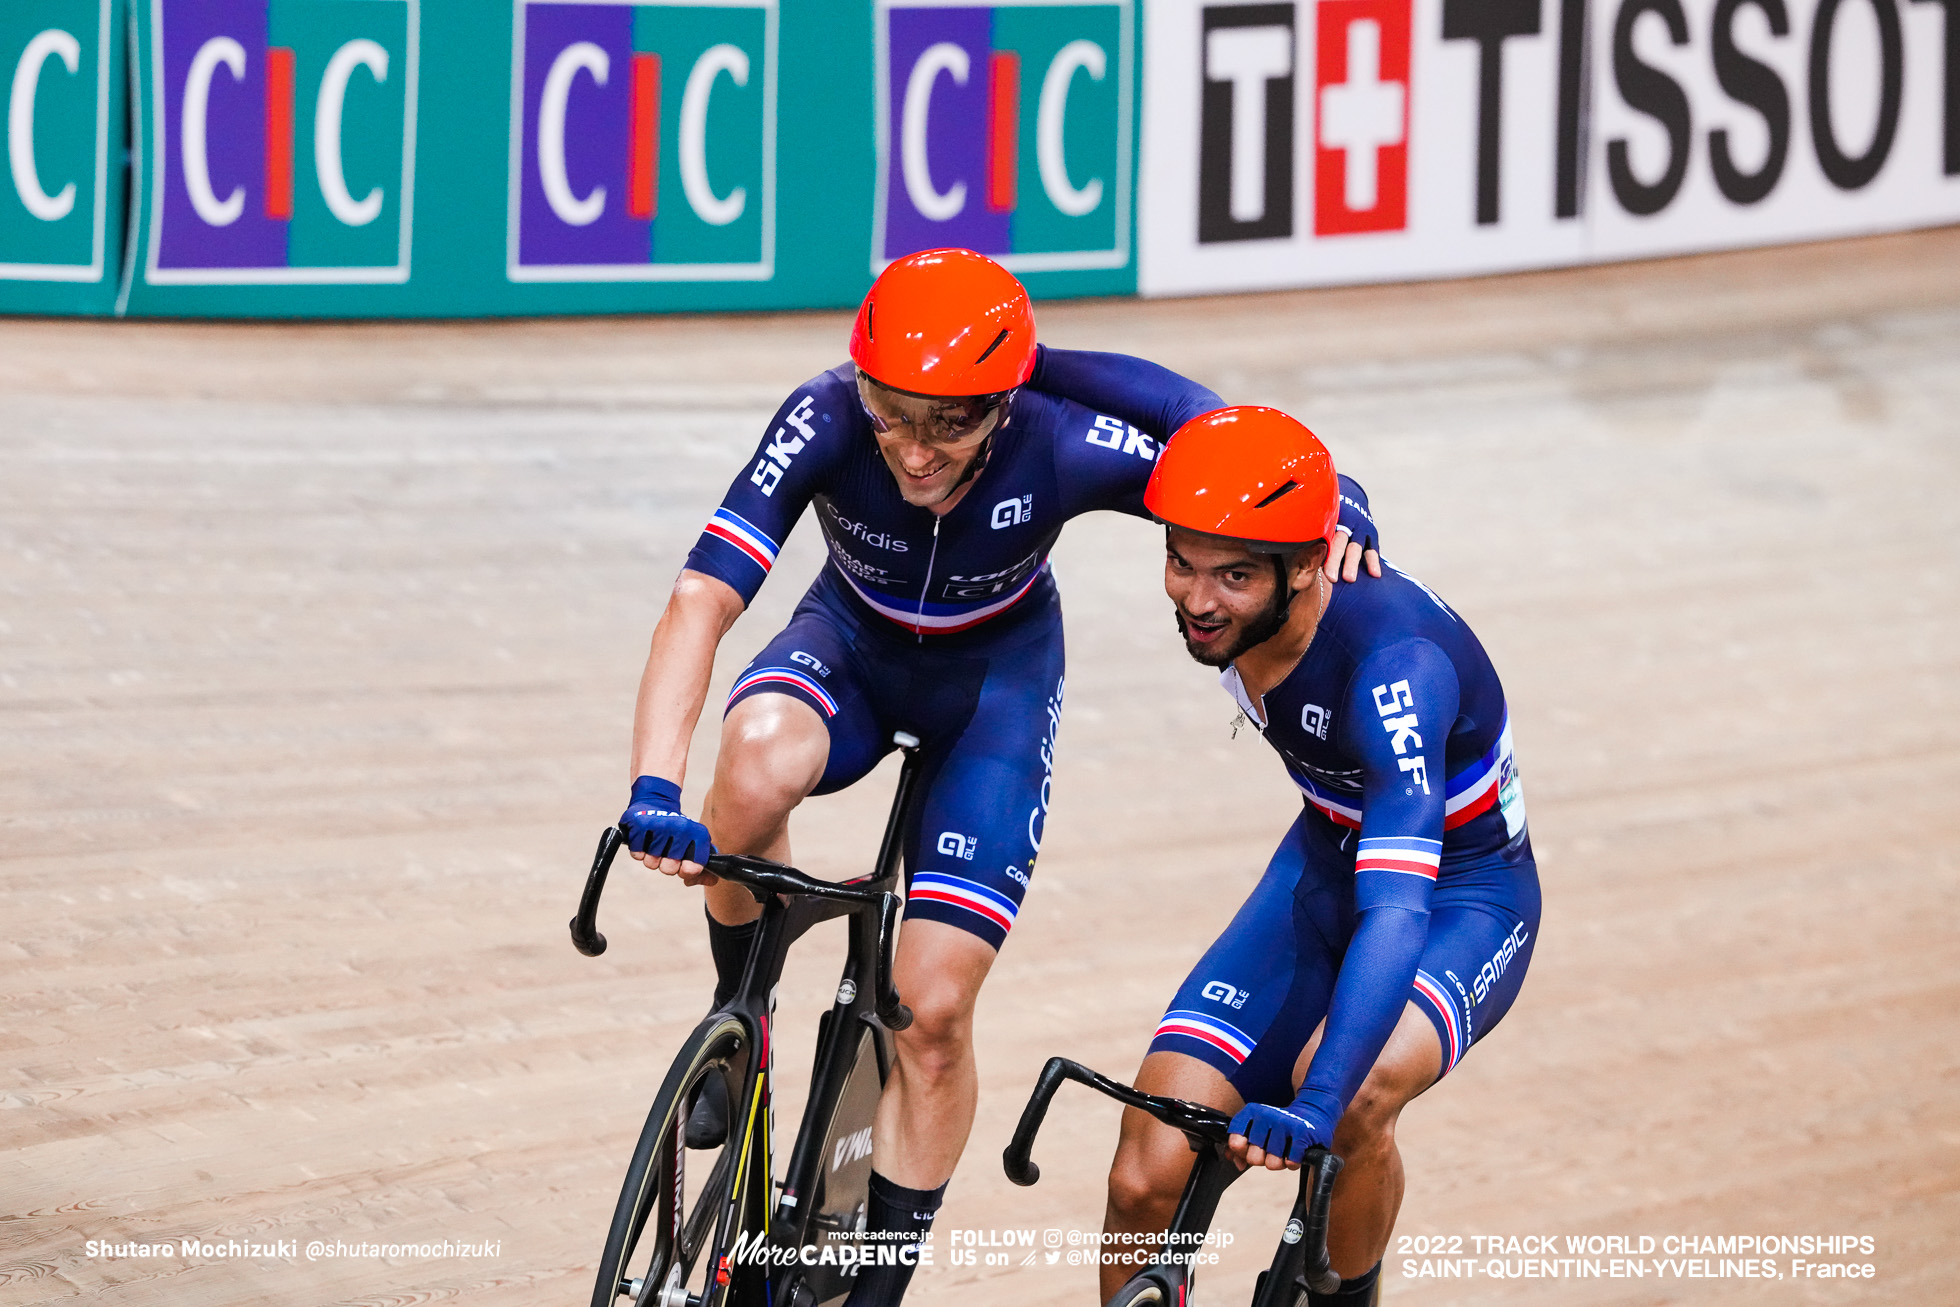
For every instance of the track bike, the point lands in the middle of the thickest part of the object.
(1299, 1264)
(698, 1227)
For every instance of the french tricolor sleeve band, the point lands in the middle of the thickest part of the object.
(1408, 855)
(744, 536)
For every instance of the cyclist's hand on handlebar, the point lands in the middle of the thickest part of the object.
(1278, 1138)
(659, 834)
(1344, 560)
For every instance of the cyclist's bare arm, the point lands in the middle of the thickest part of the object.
(675, 684)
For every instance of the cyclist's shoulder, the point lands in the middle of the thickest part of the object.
(1085, 442)
(832, 391)
(1370, 613)
(819, 423)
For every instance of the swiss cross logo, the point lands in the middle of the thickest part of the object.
(1361, 116)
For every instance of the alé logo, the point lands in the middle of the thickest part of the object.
(55, 59)
(283, 134)
(643, 141)
(1005, 128)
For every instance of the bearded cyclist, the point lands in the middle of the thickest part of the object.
(1395, 922)
(942, 462)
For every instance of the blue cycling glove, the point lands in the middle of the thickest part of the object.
(655, 824)
(1308, 1122)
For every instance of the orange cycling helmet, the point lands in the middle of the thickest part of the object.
(945, 323)
(1249, 474)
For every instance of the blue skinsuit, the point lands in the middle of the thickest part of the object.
(1407, 877)
(948, 627)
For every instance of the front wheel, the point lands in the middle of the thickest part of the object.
(680, 1209)
(1144, 1291)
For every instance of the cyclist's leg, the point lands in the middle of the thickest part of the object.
(988, 720)
(1153, 1160)
(927, 1110)
(1233, 1028)
(1483, 922)
(798, 722)
(1368, 1194)
(970, 846)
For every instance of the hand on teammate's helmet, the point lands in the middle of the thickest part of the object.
(1284, 1134)
(656, 827)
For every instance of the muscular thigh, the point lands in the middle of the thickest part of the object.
(815, 661)
(973, 838)
(1483, 925)
(1256, 997)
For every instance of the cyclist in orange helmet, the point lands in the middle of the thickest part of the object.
(941, 463)
(1396, 920)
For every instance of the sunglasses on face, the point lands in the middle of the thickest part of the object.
(945, 422)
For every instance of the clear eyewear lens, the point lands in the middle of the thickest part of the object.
(942, 426)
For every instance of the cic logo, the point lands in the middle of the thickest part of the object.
(643, 140)
(1005, 128)
(55, 62)
(283, 140)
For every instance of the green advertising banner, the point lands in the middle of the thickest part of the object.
(371, 158)
(62, 207)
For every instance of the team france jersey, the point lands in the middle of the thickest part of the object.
(931, 574)
(1393, 724)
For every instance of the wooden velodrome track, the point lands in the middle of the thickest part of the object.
(318, 647)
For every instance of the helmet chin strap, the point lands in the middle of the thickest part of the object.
(979, 463)
(973, 469)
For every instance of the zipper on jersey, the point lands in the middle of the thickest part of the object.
(918, 626)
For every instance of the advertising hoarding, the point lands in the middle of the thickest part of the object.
(1301, 144)
(407, 158)
(61, 208)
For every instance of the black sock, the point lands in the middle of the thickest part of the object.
(893, 1209)
(1358, 1292)
(729, 946)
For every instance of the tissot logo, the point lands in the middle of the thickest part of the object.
(284, 139)
(54, 59)
(1361, 116)
(1245, 136)
(1005, 128)
(643, 141)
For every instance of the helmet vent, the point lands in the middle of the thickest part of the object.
(998, 342)
(1285, 489)
(869, 309)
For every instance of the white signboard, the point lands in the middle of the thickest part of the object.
(1316, 142)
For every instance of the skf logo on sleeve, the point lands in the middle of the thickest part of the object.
(1245, 123)
(1361, 116)
(1005, 128)
(1115, 433)
(643, 141)
(283, 139)
(1401, 728)
(52, 216)
(784, 445)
